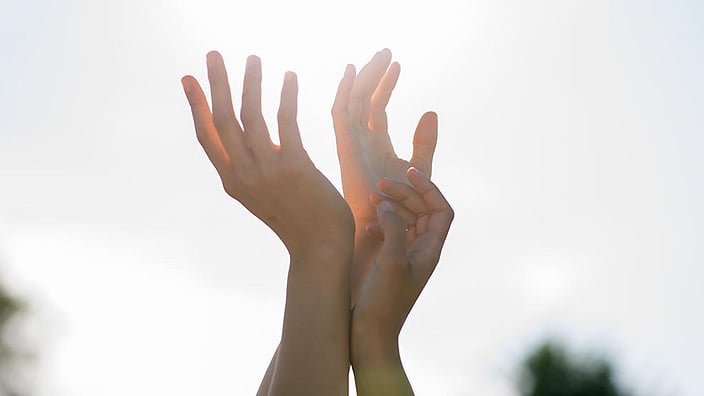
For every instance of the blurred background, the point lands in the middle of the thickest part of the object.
(570, 147)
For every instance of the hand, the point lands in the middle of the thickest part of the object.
(363, 144)
(365, 150)
(278, 184)
(407, 257)
(413, 224)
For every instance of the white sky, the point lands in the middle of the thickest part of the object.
(570, 141)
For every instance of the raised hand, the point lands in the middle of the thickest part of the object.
(363, 144)
(399, 273)
(365, 150)
(278, 184)
(281, 186)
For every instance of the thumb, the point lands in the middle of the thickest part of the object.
(424, 141)
(394, 229)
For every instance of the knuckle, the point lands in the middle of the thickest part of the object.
(202, 138)
(247, 180)
(230, 187)
(338, 110)
(450, 212)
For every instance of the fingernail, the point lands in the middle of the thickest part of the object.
(386, 207)
(415, 171)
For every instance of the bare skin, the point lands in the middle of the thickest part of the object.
(411, 220)
(365, 150)
(400, 228)
(281, 186)
(393, 283)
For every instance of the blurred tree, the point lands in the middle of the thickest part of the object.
(550, 371)
(9, 307)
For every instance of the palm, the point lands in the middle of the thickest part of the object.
(409, 255)
(366, 159)
(363, 144)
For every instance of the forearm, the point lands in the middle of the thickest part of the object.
(375, 361)
(377, 366)
(313, 357)
(366, 248)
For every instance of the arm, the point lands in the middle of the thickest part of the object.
(367, 155)
(281, 186)
(392, 285)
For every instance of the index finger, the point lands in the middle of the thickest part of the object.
(441, 213)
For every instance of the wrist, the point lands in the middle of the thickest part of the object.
(331, 249)
(366, 249)
(373, 347)
(325, 244)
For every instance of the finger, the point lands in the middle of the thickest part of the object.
(424, 141)
(228, 128)
(374, 229)
(441, 213)
(205, 128)
(364, 86)
(406, 195)
(380, 99)
(410, 199)
(256, 133)
(407, 216)
(289, 134)
(393, 250)
(340, 110)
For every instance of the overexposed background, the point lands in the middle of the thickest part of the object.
(570, 146)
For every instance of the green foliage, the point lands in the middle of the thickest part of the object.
(550, 371)
(9, 308)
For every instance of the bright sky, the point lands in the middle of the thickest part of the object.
(570, 147)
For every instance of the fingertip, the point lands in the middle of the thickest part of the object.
(386, 207)
(350, 70)
(414, 172)
(187, 83)
(290, 76)
(213, 57)
(253, 60)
